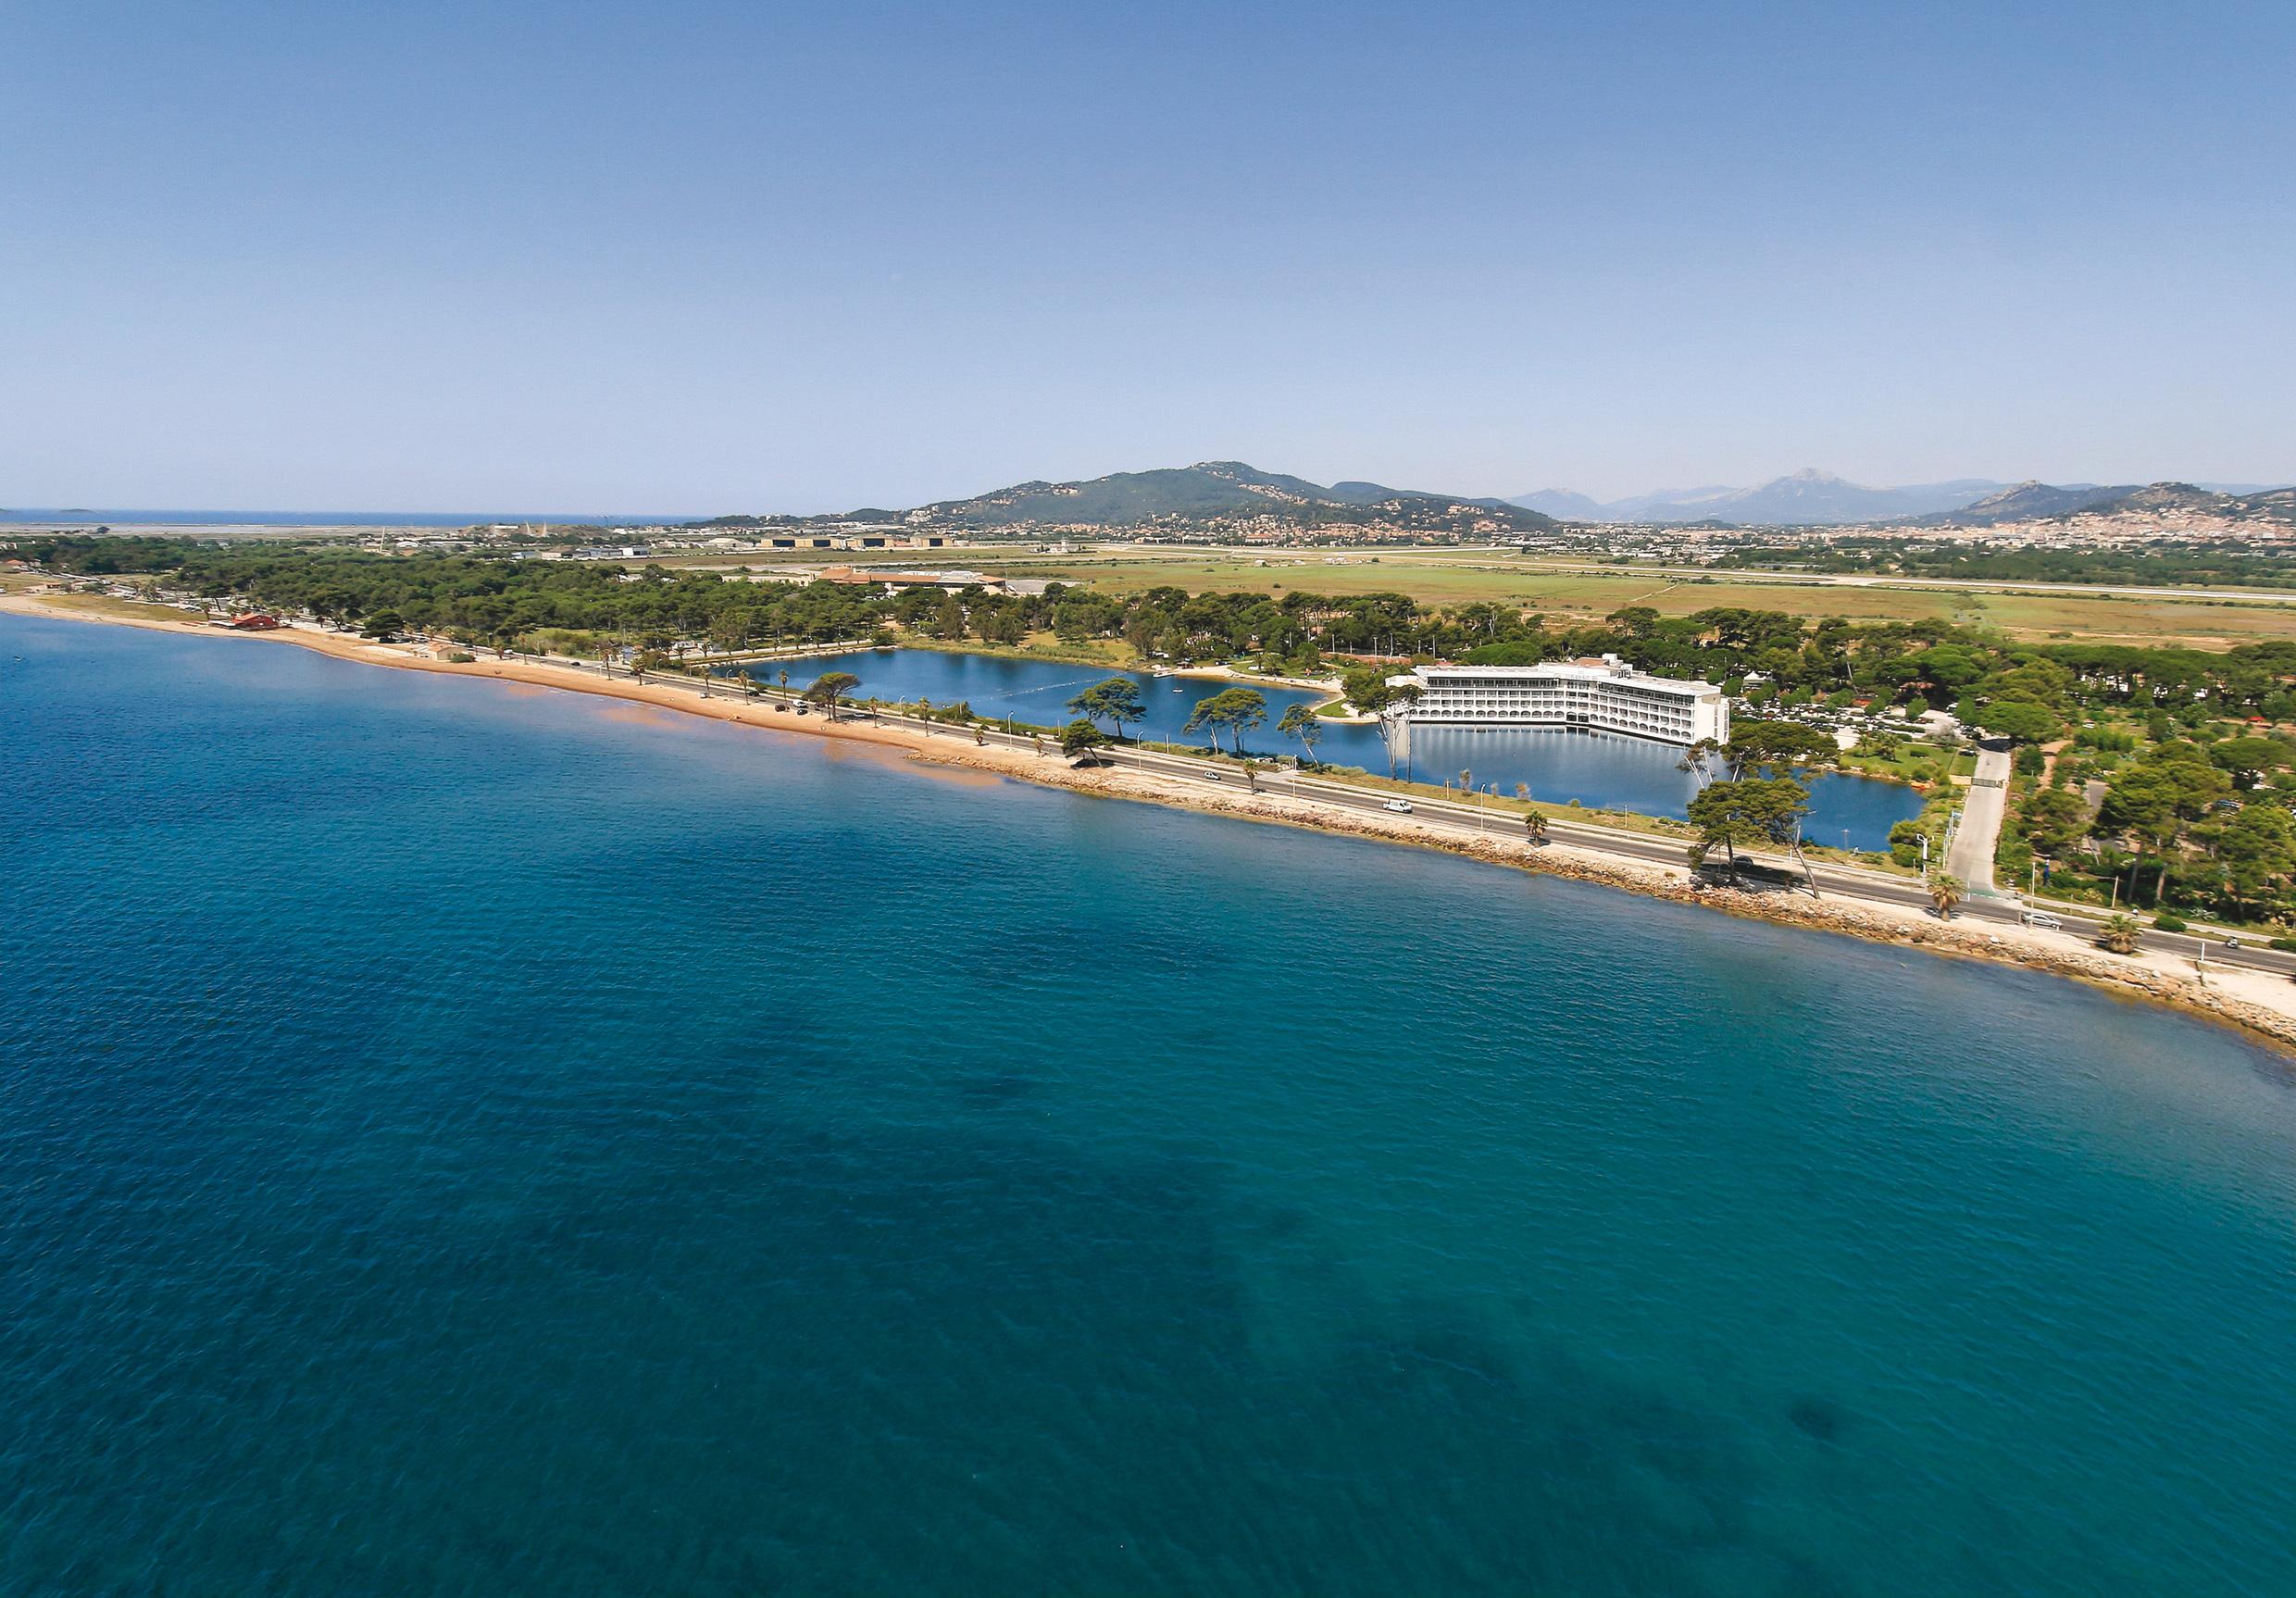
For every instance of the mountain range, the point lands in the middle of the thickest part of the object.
(2165, 501)
(1229, 494)
(1814, 498)
(1805, 498)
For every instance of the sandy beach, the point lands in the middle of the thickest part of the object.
(2261, 1003)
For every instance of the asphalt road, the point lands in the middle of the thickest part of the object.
(1971, 858)
(1873, 886)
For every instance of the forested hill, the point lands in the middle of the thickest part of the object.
(2266, 510)
(1210, 493)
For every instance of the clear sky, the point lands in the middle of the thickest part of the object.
(681, 256)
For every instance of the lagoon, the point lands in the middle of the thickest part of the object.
(1599, 770)
(465, 1139)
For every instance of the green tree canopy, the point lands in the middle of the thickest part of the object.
(1747, 813)
(830, 688)
(1766, 745)
(1301, 722)
(2023, 720)
(1117, 699)
(1238, 709)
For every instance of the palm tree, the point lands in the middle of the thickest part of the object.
(2119, 934)
(1945, 892)
(1535, 825)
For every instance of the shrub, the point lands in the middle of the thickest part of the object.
(1905, 843)
(2168, 922)
(460, 656)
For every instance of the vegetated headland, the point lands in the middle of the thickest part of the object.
(2157, 781)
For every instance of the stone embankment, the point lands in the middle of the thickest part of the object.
(1874, 922)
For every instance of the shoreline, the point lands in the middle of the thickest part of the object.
(1331, 690)
(2257, 1003)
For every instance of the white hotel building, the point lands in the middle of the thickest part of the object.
(1605, 695)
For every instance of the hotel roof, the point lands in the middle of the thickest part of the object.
(1620, 673)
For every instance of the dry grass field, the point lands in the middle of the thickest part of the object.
(1443, 577)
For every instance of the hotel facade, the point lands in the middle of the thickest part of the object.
(1605, 695)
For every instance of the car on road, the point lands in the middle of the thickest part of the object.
(1401, 806)
(2044, 920)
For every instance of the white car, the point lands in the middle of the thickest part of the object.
(2044, 920)
(1401, 806)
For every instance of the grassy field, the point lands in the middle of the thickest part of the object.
(1459, 577)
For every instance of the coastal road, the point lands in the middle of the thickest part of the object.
(1873, 887)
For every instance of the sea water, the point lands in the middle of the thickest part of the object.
(465, 1139)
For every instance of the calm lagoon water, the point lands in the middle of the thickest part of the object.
(464, 1139)
(1600, 770)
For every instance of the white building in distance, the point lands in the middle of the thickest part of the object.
(1605, 695)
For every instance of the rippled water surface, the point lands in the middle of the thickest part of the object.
(467, 1140)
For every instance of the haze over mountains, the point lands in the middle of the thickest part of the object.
(1815, 498)
(1808, 497)
(1229, 495)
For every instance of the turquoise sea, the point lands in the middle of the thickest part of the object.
(457, 1139)
(1597, 769)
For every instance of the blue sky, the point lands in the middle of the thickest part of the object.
(707, 257)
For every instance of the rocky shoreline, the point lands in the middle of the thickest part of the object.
(1875, 924)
